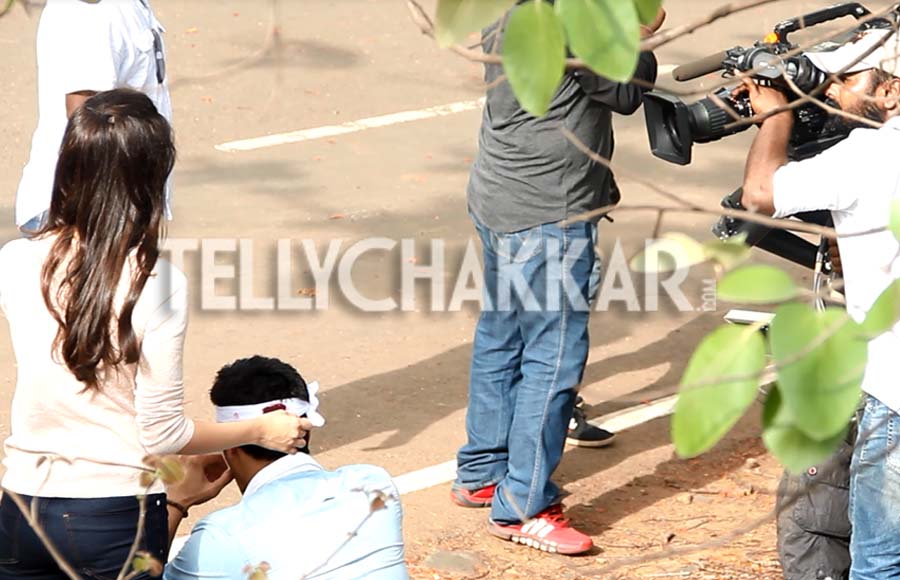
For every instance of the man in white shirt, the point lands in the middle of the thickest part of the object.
(857, 180)
(85, 47)
(295, 520)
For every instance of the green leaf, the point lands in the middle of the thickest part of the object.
(7, 6)
(605, 34)
(727, 253)
(148, 478)
(894, 222)
(167, 469)
(147, 563)
(647, 10)
(672, 251)
(534, 55)
(456, 19)
(757, 283)
(720, 382)
(819, 377)
(794, 449)
(885, 312)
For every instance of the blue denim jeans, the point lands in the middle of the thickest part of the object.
(93, 535)
(531, 345)
(875, 495)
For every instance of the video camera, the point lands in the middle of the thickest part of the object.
(674, 126)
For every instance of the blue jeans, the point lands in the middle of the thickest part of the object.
(875, 495)
(531, 345)
(93, 535)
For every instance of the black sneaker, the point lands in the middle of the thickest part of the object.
(583, 434)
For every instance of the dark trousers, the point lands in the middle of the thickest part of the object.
(93, 535)
(814, 521)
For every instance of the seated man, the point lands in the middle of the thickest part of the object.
(296, 520)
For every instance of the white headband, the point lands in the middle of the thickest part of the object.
(294, 406)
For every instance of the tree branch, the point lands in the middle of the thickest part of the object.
(270, 43)
(426, 25)
(812, 96)
(42, 535)
(666, 36)
(139, 535)
(377, 502)
(690, 207)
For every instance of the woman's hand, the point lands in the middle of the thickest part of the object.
(204, 477)
(282, 431)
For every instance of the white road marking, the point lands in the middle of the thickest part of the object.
(634, 416)
(618, 421)
(350, 127)
(425, 478)
(363, 124)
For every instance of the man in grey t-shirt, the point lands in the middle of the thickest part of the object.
(531, 342)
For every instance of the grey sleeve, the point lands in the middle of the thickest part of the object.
(622, 98)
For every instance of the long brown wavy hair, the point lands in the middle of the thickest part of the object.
(108, 204)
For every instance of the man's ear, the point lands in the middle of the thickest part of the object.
(892, 96)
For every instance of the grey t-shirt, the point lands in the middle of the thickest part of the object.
(526, 172)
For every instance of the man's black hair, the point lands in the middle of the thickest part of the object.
(254, 380)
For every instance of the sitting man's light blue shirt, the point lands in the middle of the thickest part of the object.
(300, 520)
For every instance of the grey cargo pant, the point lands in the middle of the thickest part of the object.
(814, 532)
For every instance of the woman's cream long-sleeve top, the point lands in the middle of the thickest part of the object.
(73, 442)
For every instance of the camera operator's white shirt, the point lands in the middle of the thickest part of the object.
(86, 46)
(857, 180)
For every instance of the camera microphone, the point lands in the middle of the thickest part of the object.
(698, 68)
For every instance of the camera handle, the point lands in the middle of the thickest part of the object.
(855, 9)
(715, 62)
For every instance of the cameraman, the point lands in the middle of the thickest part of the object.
(857, 180)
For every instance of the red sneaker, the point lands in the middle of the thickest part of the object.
(476, 498)
(548, 531)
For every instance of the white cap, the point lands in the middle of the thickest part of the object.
(833, 57)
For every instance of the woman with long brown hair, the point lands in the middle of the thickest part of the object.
(97, 321)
